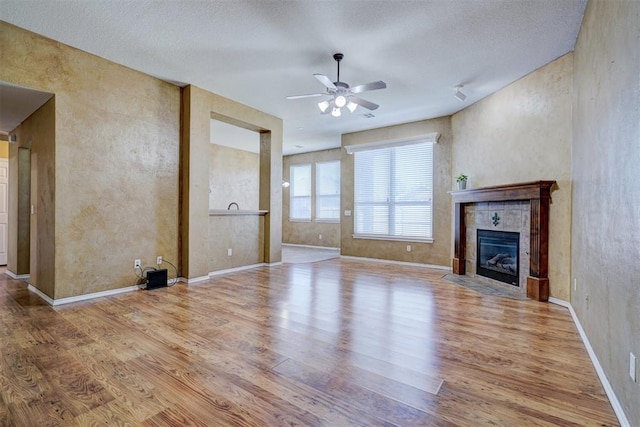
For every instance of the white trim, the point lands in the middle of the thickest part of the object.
(40, 294)
(60, 301)
(389, 261)
(327, 220)
(16, 276)
(196, 279)
(391, 238)
(399, 142)
(560, 302)
(233, 270)
(309, 246)
(615, 403)
(273, 264)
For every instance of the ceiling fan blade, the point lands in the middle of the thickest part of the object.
(325, 81)
(363, 103)
(369, 86)
(309, 95)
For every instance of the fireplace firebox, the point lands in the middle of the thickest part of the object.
(497, 256)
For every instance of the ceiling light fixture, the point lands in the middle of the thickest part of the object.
(461, 96)
(341, 94)
(285, 183)
(323, 105)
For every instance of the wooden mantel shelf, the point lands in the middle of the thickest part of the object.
(539, 195)
(501, 193)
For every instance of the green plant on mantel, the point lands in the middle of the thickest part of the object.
(462, 178)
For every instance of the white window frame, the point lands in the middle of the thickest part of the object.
(427, 138)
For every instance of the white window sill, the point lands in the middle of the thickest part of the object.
(391, 238)
(299, 220)
(328, 221)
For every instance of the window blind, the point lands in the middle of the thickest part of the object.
(394, 192)
(300, 192)
(328, 191)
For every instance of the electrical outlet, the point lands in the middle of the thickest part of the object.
(347, 213)
(408, 248)
(229, 252)
(319, 236)
(575, 284)
(632, 367)
(136, 263)
(159, 260)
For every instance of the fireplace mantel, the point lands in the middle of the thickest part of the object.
(538, 193)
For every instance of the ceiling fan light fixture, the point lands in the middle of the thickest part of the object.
(339, 94)
(323, 106)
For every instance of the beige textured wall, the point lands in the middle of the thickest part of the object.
(234, 176)
(436, 253)
(606, 199)
(243, 234)
(19, 221)
(116, 161)
(198, 108)
(523, 133)
(31, 245)
(4, 150)
(307, 233)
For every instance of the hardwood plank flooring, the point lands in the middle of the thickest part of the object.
(332, 343)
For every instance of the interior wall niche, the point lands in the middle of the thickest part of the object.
(234, 173)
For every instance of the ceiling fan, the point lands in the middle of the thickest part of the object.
(340, 94)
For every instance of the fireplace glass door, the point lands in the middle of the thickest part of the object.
(497, 256)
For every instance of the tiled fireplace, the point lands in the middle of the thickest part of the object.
(513, 224)
(501, 231)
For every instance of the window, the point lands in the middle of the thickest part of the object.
(328, 191)
(300, 192)
(393, 192)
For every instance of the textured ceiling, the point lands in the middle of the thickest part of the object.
(259, 51)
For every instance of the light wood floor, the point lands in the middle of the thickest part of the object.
(334, 343)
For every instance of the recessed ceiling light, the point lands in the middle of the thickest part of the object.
(299, 146)
(368, 116)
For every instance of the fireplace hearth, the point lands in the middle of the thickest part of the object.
(497, 256)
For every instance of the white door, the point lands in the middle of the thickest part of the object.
(4, 191)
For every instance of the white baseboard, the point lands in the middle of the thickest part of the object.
(388, 261)
(68, 300)
(196, 279)
(273, 264)
(617, 408)
(309, 246)
(235, 269)
(17, 276)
